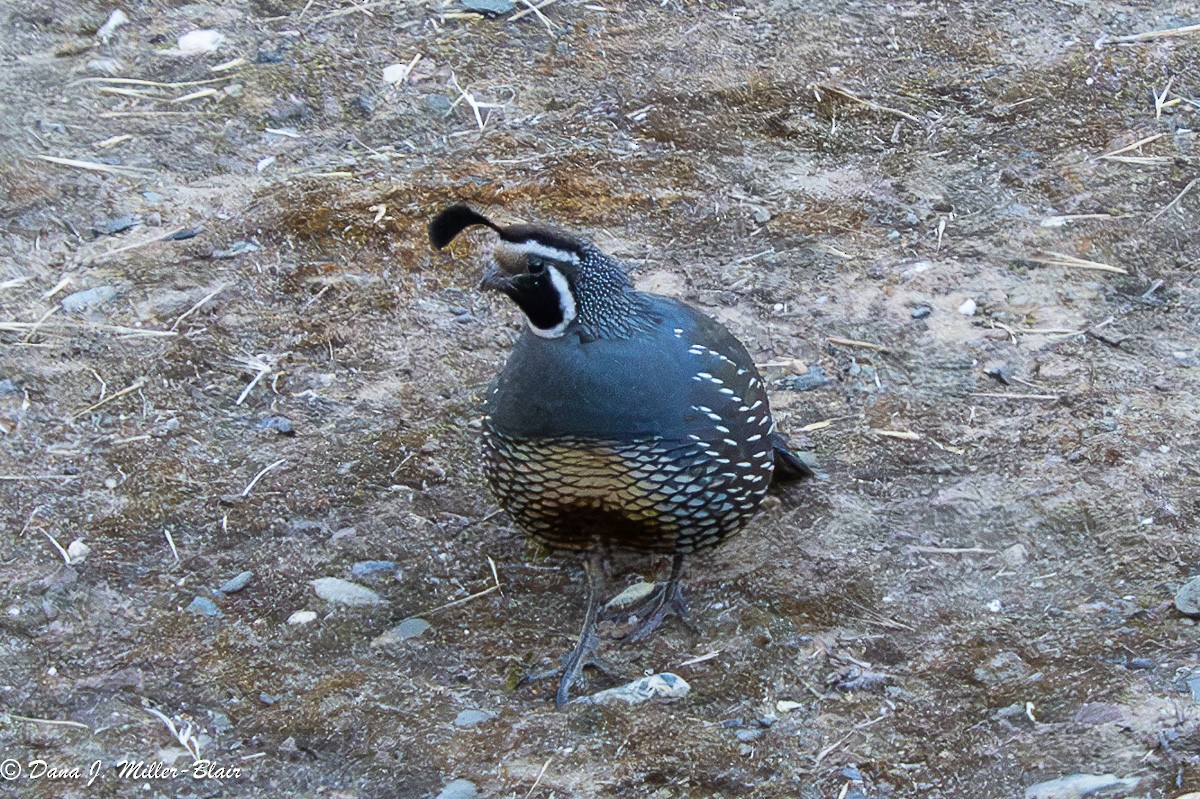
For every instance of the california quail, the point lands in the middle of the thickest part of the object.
(622, 419)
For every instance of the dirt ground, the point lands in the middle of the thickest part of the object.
(974, 598)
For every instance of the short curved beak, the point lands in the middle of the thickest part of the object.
(495, 278)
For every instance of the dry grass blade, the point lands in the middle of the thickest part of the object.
(19, 477)
(250, 486)
(903, 435)
(141, 381)
(155, 83)
(854, 98)
(1134, 146)
(1148, 36)
(851, 342)
(535, 9)
(1070, 261)
(55, 722)
(365, 8)
(1175, 203)
(124, 171)
(186, 736)
(1004, 395)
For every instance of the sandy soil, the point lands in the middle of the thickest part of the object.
(976, 597)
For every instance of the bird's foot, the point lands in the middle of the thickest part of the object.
(667, 600)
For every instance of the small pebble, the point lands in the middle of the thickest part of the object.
(469, 718)
(236, 249)
(280, 424)
(748, 735)
(115, 20)
(77, 551)
(364, 568)
(459, 789)
(968, 308)
(814, 378)
(659, 687)
(235, 584)
(1136, 664)
(110, 227)
(409, 628)
(787, 705)
(344, 592)
(302, 617)
(1187, 598)
(203, 606)
(199, 42)
(9, 386)
(394, 73)
(998, 370)
(921, 311)
(489, 8)
(363, 104)
(86, 300)
(105, 66)
(183, 235)
(268, 699)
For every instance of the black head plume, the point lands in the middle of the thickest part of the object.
(454, 220)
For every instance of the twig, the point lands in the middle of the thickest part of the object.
(198, 305)
(1062, 259)
(1175, 202)
(955, 550)
(140, 82)
(545, 765)
(141, 381)
(490, 589)
(1133, 146)
(854, 98)
(536, 10)
(1000, 395)
(250, 486)
(104, 256)
(1149, 36)
(365, 8)
(66, 558)
(850, 342)
(55, 722)
(19, 477)
(171, 544)
(829, 749)
(904, 435)
(186, 737)
(124, 171)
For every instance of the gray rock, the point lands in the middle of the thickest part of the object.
(9, 386)
(235, 584)
(921, 311)
(88, 299)
(469, 718)
(105, 66)
(364, 568)
(280, 424)
(459, 789)
(748, 735)
(814, 378)
(1077, 786)
(109, 227)
(662, 687)
(489, 8)
(344, 592)
(1187, 598)
(409, 628)
(438, 103)
(236, 249)
(203, 606)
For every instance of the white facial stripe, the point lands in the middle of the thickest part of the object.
(566, 302)
(531, 247)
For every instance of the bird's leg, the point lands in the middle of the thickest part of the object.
(573, 663)
(665, 601)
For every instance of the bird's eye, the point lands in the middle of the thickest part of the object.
(536, 266)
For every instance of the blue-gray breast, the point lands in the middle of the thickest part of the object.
(622, 419)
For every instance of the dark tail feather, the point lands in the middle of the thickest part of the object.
(789, 464)
(454, 220)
